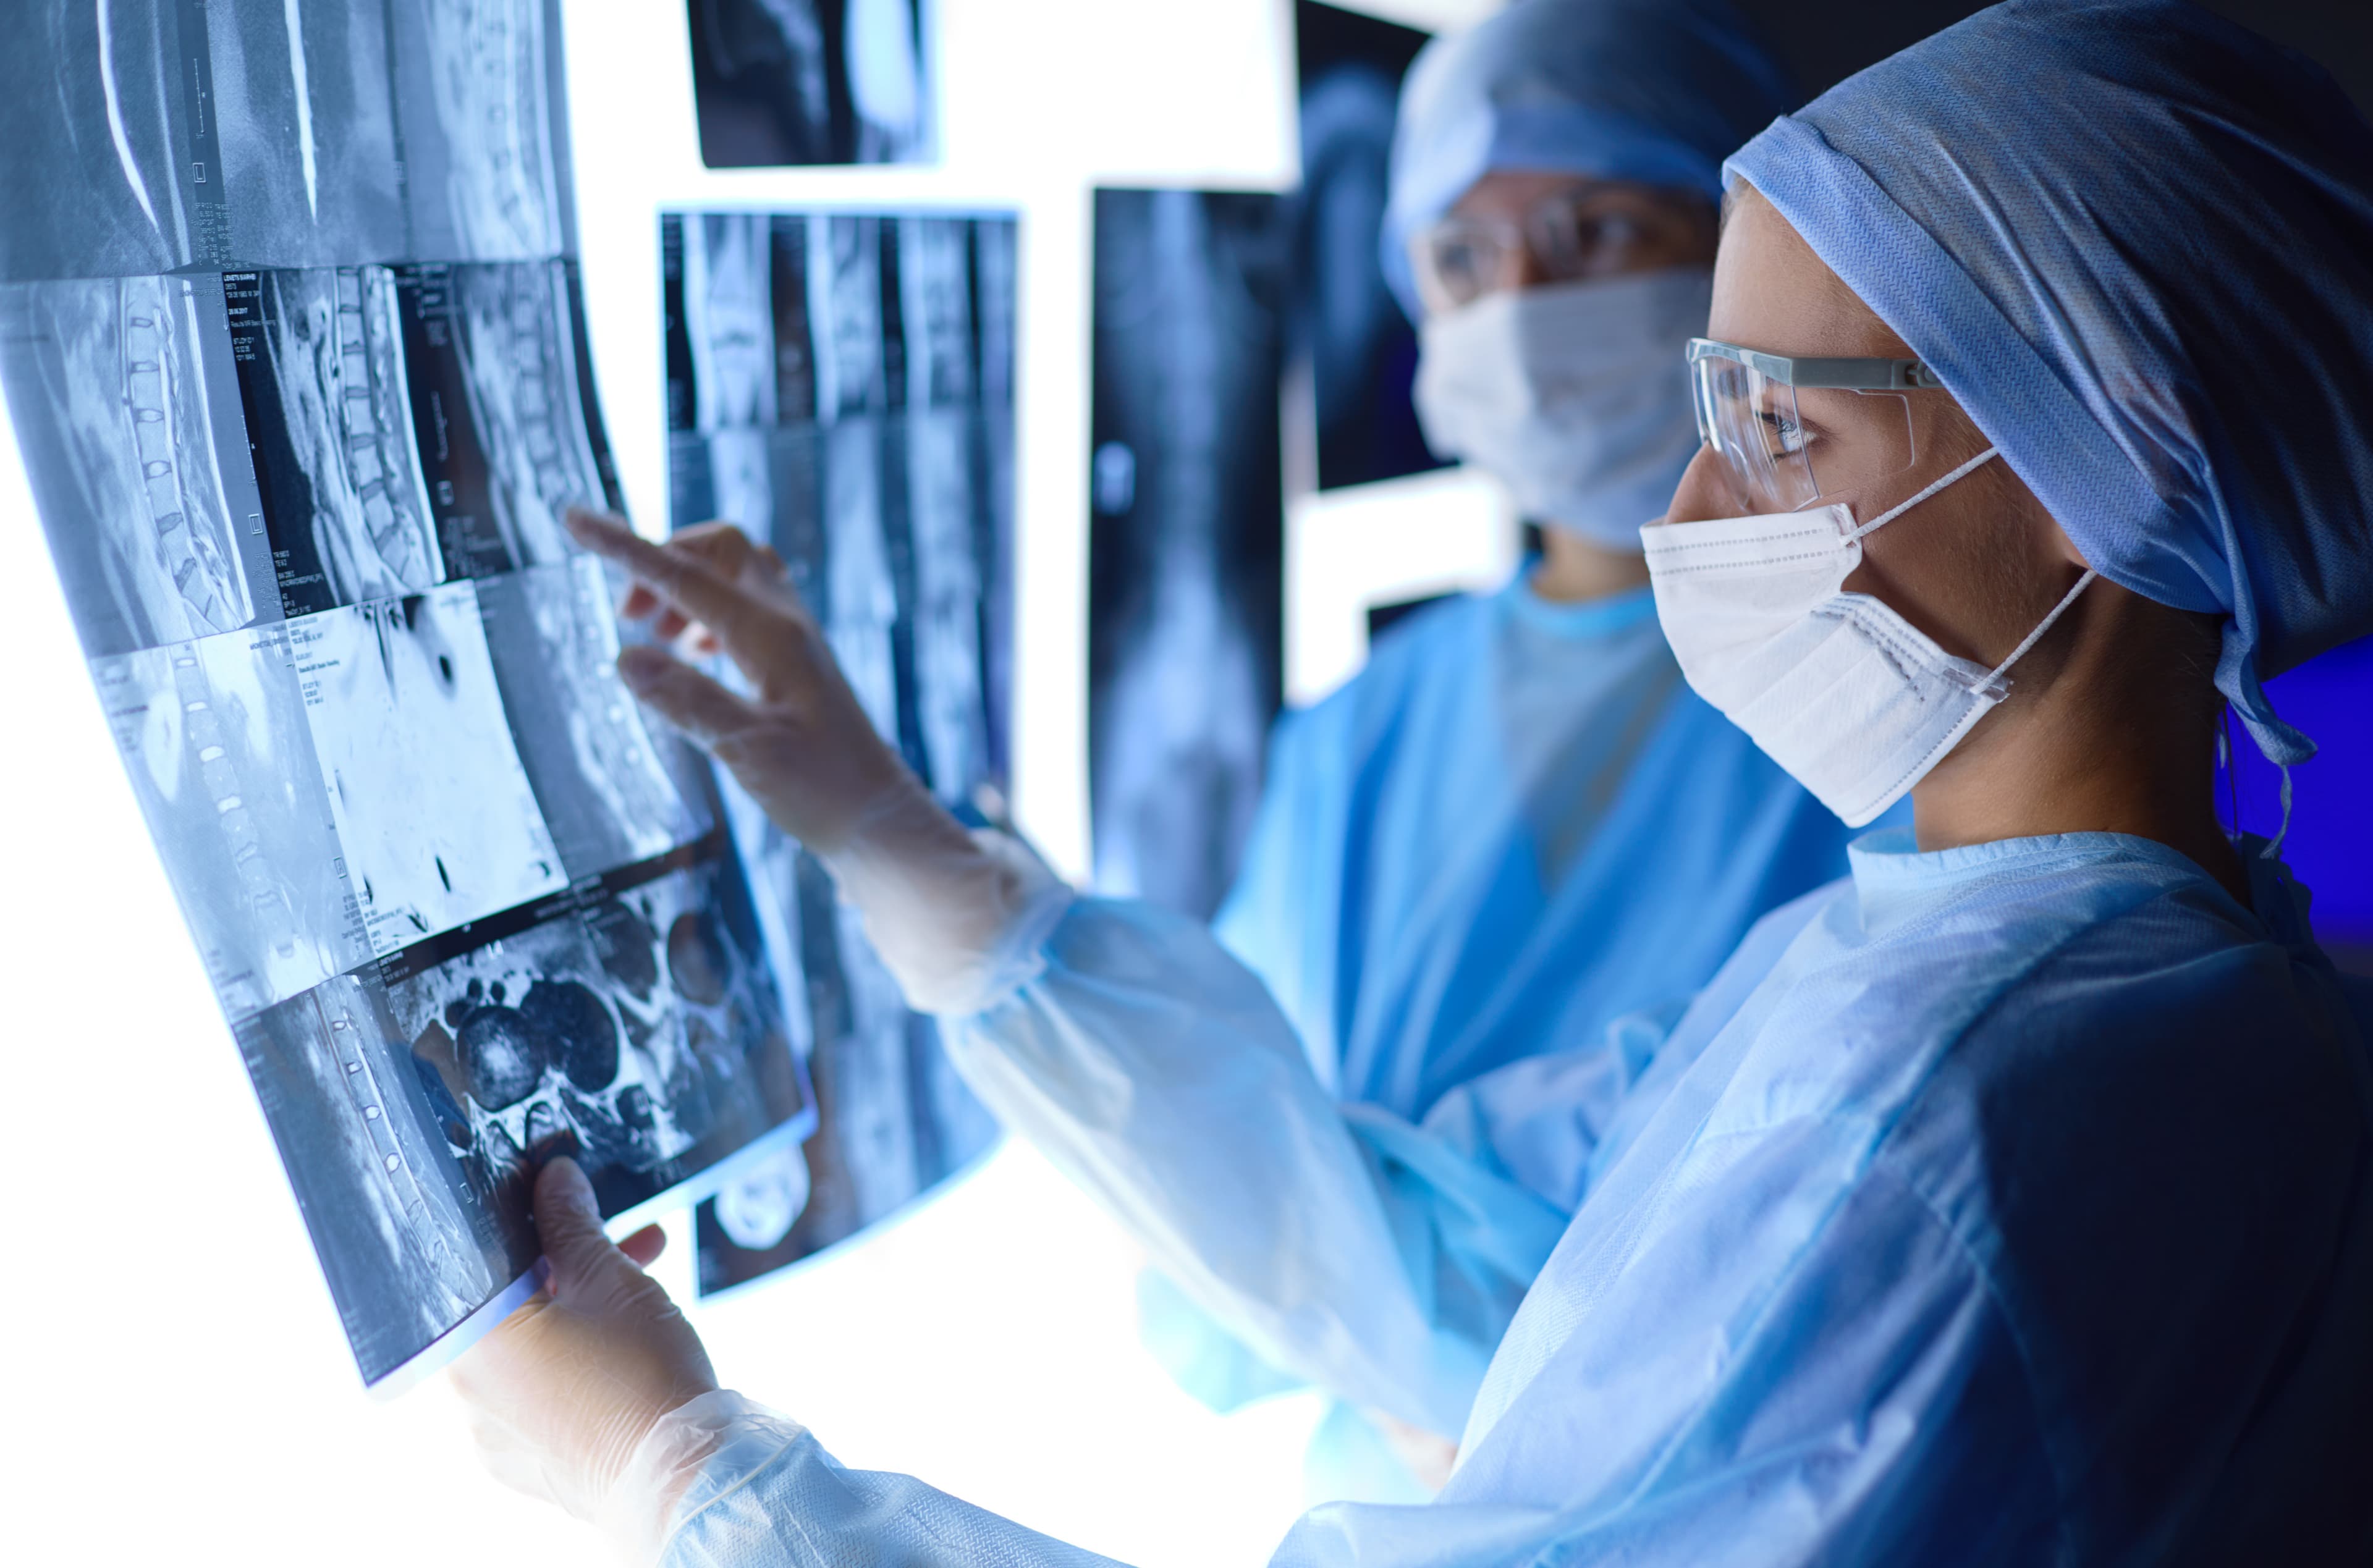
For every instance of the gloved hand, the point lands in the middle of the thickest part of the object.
(801, 744)
(947, 912)
(563, 1394)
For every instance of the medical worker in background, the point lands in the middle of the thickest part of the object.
(2007, 1201)
(1518, 823)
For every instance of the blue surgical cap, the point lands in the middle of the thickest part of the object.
(2136, 242)
(1657, 91)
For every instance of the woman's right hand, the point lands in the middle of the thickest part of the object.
(801, 745)
(937, 903)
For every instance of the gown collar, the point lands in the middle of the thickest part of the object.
(1895, 879)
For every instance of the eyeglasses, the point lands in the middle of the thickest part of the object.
(1783, 430)
(1570, 235)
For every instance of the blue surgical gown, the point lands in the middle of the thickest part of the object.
(2001, 1204)
(1515, 826)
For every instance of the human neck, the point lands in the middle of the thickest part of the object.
(2101, 747)
(1575, 571)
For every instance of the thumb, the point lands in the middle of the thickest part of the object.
(687, 698)
(569, 1221)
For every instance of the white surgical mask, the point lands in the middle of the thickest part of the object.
(1849, 697)
(1573, 395)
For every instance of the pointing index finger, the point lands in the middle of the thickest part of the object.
(736, 615)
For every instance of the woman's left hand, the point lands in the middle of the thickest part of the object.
(564, 1392)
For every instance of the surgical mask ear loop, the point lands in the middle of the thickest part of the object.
(1980, 460)
(2232, 776)
(2275, 849)
(2044, 625)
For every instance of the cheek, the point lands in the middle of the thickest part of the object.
(1950, 567)
(1908, 582)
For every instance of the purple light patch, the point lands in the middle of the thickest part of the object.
(2331, 843)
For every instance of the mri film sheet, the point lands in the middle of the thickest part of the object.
(724, 284)
(478, 106)
(127, 413)
(94, 102)
(377, 1150)
(842, 386)
(498, 411)
(1360, 348)
(296, 362)
(779, 82)
(606, 794)
(892, 1119)
(898, 534)
(1185, 553)
(329, 411)
(214, 739)
(632, 1024)
(310, 167)
(436, 819)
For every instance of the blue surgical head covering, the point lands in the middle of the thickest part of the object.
(2136, 242)
(1657, 91)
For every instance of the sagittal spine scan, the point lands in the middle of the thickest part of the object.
(296, 361)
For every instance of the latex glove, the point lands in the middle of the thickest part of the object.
(801, 743)
(564, 1393)
(951, 915)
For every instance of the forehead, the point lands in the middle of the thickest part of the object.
(1771, 292)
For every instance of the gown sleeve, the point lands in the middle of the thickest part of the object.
(1283, 919)
(1876, 1409)
(769, 1496)
(1378, 1258)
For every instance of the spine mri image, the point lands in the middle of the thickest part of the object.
(841, 385)
(1185, 629)
(811, 81)
(300, 390)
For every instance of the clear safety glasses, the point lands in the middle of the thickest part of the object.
(1790, 431)
(1588, 232)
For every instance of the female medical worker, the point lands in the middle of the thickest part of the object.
(1518, 823)
(2010, 1200)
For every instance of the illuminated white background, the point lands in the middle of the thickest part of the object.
(178, 1383)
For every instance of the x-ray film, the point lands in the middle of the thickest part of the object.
(213, 735)
(504, 433)
(310, 168)
(107, 176)
(1360, 348)
(435, 815)
(162, 134)
(328, 409)
(781, 82)
(604, 785)
(131, 428)
(841, 385)
(479, 104)
(464, 909)
(1185, 627)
